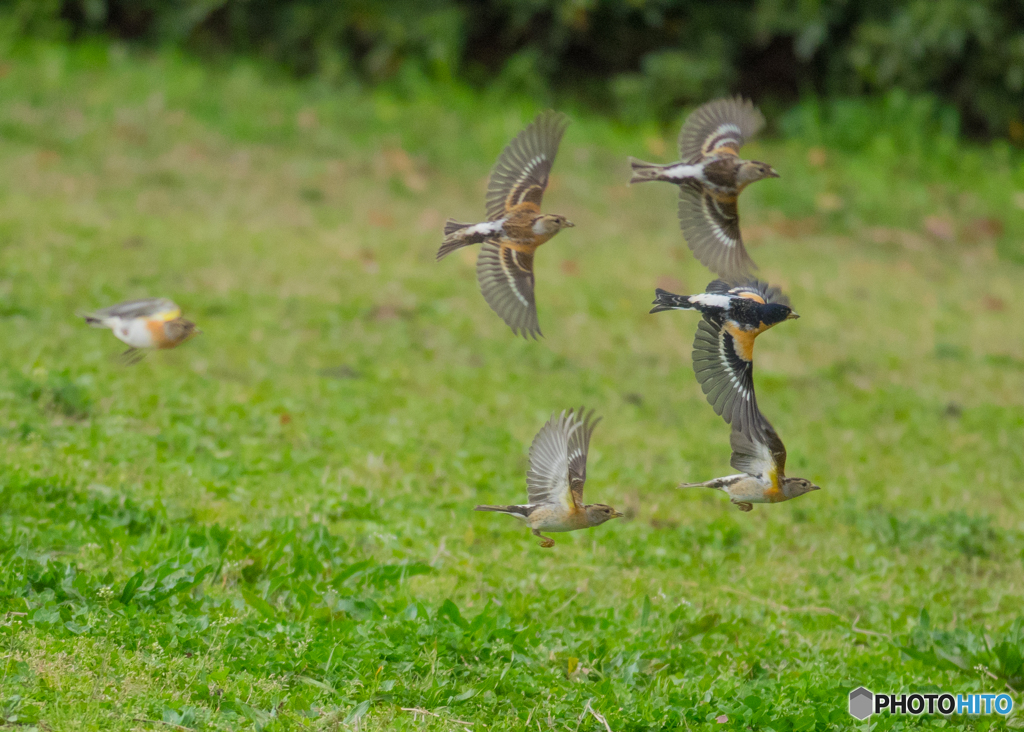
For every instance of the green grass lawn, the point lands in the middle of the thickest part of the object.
(272, 528)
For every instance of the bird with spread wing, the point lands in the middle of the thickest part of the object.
(723, 360)
(761, 457)
(515, 226)
(558, 471)
(723, 350)
(710, 177)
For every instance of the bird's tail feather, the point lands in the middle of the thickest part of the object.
(453, 240)
(91, 319)
(665, 300)
(514, 510)
(719, 484)
(451, 226)
(646, 171)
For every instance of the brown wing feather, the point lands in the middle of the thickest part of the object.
(711, 227)
(579, 447)
(147, 308)
(722, 124)
(775, 446)
(521, 173)
(506, 282)
(547, 480)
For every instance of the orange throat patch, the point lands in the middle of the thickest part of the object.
(159, 333)
(742, 341)
(542, 239)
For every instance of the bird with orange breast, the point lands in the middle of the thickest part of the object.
(515, 226)
(723, 350)
(761, 458)
(723, 359)
(558, 472)
(145, 325)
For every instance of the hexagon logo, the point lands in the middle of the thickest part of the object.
(861, 703)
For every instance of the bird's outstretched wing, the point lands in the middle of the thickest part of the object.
(759, 453)
(724, 365)
(579, 446)
(506, 281)
(711, 227)
(521, 173)
(756, 290)
(548, 479)
(151, 307)
(722, 125)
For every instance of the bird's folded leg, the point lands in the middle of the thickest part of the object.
(744, 506)
(546, 541)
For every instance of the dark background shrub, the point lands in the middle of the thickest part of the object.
(638, 59)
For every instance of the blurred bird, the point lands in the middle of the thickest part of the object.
(710, 179)
(515, 227)
(558, 470)
(723, 350)
(761, 457)
(153, 323)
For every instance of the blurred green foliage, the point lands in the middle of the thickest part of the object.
(640, 59)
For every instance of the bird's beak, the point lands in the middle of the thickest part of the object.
(618, 514)
(792, 316)
(569, 224)
(815, 487)
(773, 173)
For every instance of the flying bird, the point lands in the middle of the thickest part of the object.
(710, 177)
(554, 482)
(761, 459)
(515, 226)
(723, 350)
(153, 323)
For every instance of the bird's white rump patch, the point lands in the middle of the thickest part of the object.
(711, 300)
(488, 227)
(682, 172)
